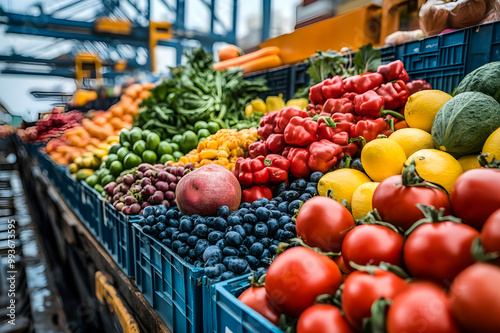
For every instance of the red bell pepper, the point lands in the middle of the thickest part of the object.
(394, 71)
(417, 85)
(256, 192)
(343, 117)
(368, 104)
(362, 83)
(350, 149)
(258, 148)
(368, 128)
(284, 117)
(323, 155)
(267, 124)
(275, 142)
(277, 166)
(350, 96)
(395, 94)
(332, 88)
(340, 105)
(251, 171)
(298, 158)
(316, 94)
(301, 131)
(286, 151)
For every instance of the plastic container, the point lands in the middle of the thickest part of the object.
(277, 80)
(92, 210)
(230, 315)
(445, 79)
(484, 45)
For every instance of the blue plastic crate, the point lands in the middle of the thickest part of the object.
(230, 315)
(278, 81)
(92, 208)
(484, 45)
(445, 79)
(172, 286)
(117, 237)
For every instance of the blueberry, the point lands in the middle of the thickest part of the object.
(301, 183)
(192, 240)
(250, 218)
(149, 211)
(160, 227)
(262, 214)
(192, 254)
(227, 275)
(288, 234)
(171, 214)
(290, 195)
(238, 266)
(201, 246)
(194, 216)
(226, 260)
(199, 220)
(280, 189)
(142, 221)
(220, 224)
(265, 262)
(276, 242)
(273, 202)
(174, 223)
(221, 243)
(312, 184)
(316, 176)
(261, 230)
(245, 205)
(162, 235)
(170, 231)
(239, 229)
(186, 225)
(265, 254)
(147, 229)
(214, 236)
(256, 204)
(276, 214)
(151, 219)
(183, 237)
(201, 231)
(311, 190)
(271, 206)
(213, 261)
(167, 242)
(161, 218)
(256, 249)
(280, 235)
(175, 234)
(249, 240)
(243, 250)
(272, 249)
(259, 272)
(234, 239)
(293, 206)
(210, 221)
(278, 200)
(248, 228)
(230, 251)
(214, 271)
(212, 252)
(183, 250)
(188, 260)
(283, 207)
(223, 211)
(289, 227)
(357, 165)
(272, 226)
(198, 263)
(160, 210)
(243, 211)
(284, 220)
(304, 197)
(176, 245)
(185, 217)
(252, 261)
(294, 186)
(266, 242)
(234, 220)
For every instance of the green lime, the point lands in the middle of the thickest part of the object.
(127, 145)
(102, 165)
(92, 180)
(113, 149)
(121, 153)
(201, 139)
(115, 168)
(169, 140)
(125, 172)
(123, 135)
(189, 142)
(145, 134)
(164, 148)
(153, 141)
(111, 158)
(177, 155)
(131, 161)
(134, 135)
(241, 126)
(177, 138)
(201, 124)
(149, 156)
(108, 179)
(203, 133)
(98, 188)
(175, 146)
(165, 158)
(139, 147)
(213, 127)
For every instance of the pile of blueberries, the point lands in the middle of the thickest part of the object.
(232, 243)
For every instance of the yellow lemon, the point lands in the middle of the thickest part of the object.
(437, 166)
(382, 158)
(361, 202)
(492, 145)
(412, 140)
(469, 162)
(343, 182)
(421, 108)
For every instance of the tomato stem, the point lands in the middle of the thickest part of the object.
(483, 161)
(411, 177)
(376, 323)
(478, 253)
(316, 249)
(431, 216)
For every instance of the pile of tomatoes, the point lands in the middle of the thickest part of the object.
(413, 267)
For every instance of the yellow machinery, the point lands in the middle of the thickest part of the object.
(87, 66)
(157, 31)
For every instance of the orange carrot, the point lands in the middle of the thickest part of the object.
(239, 61)
(400, 124)
(263, 63)
(229, 52)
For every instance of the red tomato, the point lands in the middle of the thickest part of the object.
(322, 318)
(490, 234)
(323, 222)
(439, 251)
(257, 299)
(476, 195)
(297, 276)
(371, 244)
(422, 308)
(339, 260)
(361, 289)
(396, 203)
(475, 298)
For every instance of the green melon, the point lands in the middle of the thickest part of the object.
(485, 79)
